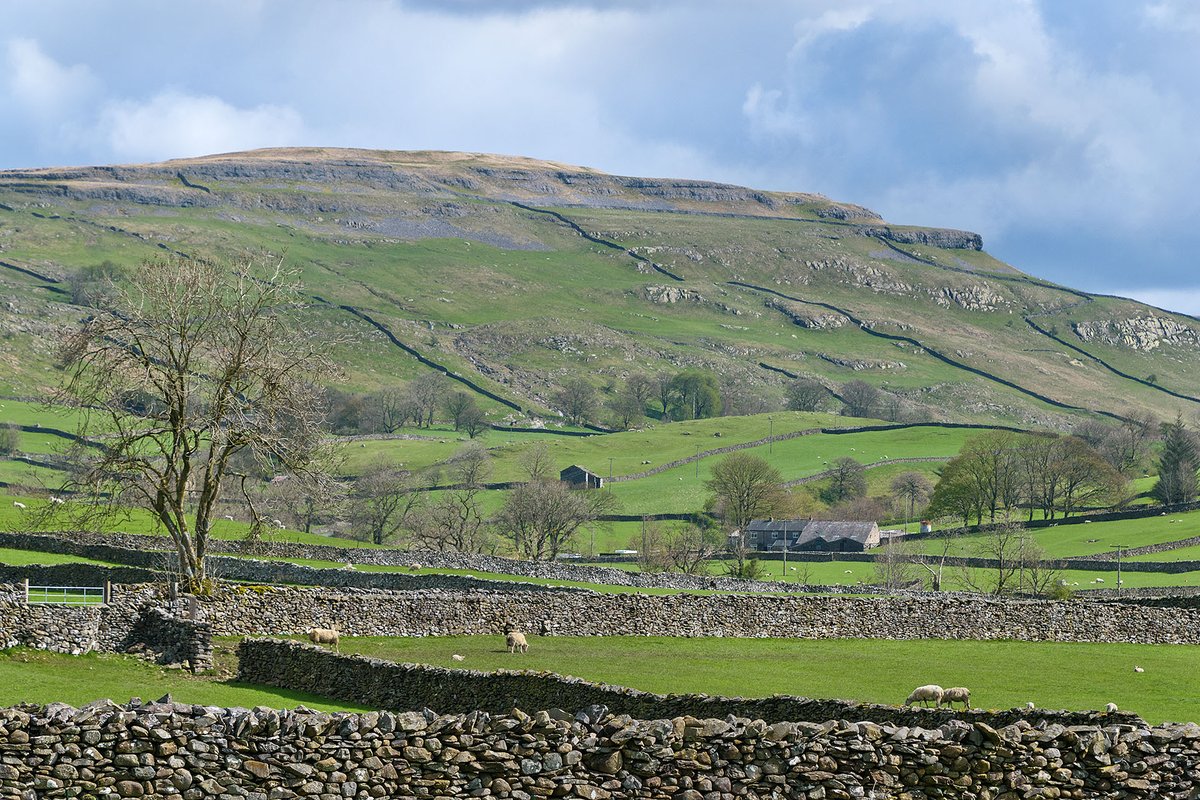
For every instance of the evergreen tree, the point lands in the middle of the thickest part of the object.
(1177, 465)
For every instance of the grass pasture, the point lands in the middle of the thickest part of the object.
(36, 676)
(1001, 674)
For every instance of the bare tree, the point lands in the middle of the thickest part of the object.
(457, 405)
(394, 408)
(860, 398)
(426, 393)
(382, 500)
(1008, 548)
(217, 352)
(626, 409)
(805, 394)
(894, 567)
(911, 488)
(689, 548)
(536, 462)
(473, 420)
(454, 521)
(541, 516)
(744, 487)
(577, 400)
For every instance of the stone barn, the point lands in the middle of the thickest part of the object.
(580, 478)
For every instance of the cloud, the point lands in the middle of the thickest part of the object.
(176, 125)
(41, 85)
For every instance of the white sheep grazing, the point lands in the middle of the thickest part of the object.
(457, 657)
(926, 694)
(325, 636)
(18, 504)
(228, 517)
(1111, 708)
(347, 565)
(514, 641)
(1138, 669)
(414, 567)
(956, 694)
(1030, 705)
(58, 501)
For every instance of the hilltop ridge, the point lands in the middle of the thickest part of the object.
(518, 276)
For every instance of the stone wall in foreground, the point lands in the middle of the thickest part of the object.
(282, 610)
(182, 752)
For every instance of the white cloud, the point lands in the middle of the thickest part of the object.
(174, 125)
(40, 84)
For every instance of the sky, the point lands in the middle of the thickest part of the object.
(1063, 131)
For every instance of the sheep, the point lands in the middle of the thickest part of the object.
(347, 565)
(58, 501)
(930, 692)
(1138, 669)
(324, 636)
(414, 567)
(1029, 705)
(228, 517)
(457, 657)
(956, 694)
(18, 504)
(277, 523)
(514, 640)
(1111, 708)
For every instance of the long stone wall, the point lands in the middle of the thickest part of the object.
(138, 619)
(183, 752)
(280, 610)
(375, 683)
(144, 551)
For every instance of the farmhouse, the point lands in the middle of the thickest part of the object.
(799, 534)
(580, 478)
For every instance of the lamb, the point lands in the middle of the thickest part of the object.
(1138, 669)
(930, 692)
(324, 636)
(956, 694)
(18, 504)
(1111, 708)
(514, 640)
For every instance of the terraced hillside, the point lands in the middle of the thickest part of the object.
(516, 276)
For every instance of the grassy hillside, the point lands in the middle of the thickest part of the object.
(478, 262)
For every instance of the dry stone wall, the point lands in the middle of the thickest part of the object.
(181, 752)
(138, 619)
(281, 610)
(375, 683)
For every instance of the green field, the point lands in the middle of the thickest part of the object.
(35, 676)
(999, 674)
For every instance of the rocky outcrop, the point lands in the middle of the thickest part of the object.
(971, 298)
(807, 317)
(933, 237)
(671, 294)
(1138, 333)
